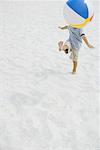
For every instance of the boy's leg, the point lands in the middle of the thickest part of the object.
(74, 67)
(74, 57)
(64, 46)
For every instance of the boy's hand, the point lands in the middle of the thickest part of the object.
(63, 28)
(90, 46)
(60, 27)
(86, 42)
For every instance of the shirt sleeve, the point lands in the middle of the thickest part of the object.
(82, 33)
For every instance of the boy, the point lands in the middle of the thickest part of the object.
(73, 44)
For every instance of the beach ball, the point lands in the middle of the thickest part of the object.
(78, 13)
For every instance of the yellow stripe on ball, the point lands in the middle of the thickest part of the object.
(81, 25)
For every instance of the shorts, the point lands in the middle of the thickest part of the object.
(74, 52)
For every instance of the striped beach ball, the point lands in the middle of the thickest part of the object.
(78, 13)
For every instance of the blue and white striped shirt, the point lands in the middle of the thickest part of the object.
(75, 37)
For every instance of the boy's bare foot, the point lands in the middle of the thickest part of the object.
(73, 72)
(60, 45)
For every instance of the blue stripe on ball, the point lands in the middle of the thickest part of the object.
(79, 6)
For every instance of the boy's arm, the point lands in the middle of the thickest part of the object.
(63, 28)
(86, 42)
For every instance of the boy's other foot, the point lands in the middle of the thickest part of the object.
(60, 44)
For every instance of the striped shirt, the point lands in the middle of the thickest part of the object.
(75, 37)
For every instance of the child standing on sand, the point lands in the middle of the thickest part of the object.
(73, 44)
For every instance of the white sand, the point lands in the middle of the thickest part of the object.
(42, 105)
